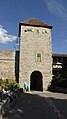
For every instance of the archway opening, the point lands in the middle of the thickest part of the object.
(36, 82)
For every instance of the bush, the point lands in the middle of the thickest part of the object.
(60, 82)
(8, 84)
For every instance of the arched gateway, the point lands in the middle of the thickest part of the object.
(36, 82)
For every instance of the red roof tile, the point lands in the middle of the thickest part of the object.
(35, 22)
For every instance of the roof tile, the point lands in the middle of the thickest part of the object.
(35, 22)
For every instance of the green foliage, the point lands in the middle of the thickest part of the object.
(8, 84)
(57, 80)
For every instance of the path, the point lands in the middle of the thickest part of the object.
(40, 106)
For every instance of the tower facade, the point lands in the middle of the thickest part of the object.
(35, 61)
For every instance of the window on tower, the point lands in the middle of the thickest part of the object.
(38, 57)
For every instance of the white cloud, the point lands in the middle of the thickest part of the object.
(65, 40)
(56, 8)
(5, 37)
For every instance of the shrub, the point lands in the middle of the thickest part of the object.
(8, 84)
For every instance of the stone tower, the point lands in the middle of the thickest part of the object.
(35, 62)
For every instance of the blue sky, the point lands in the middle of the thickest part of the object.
(52, 12)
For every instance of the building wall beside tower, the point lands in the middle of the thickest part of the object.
(9, 64)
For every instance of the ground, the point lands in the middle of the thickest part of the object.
(40, 105)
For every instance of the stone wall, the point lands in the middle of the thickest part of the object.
(8, 64)
(35, 40)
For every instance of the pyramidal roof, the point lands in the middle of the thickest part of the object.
(35, 22)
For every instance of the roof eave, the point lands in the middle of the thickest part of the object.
(59, 55)
(45, 26)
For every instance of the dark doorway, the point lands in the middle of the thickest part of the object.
(36, 82)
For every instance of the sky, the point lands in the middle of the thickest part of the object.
(52, 12)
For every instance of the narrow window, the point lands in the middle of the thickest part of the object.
(38, 57)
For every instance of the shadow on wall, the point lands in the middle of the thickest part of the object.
(17, 66)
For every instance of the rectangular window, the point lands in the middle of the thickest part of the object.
(38, 57)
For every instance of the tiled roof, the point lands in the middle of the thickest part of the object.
(35, 22)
